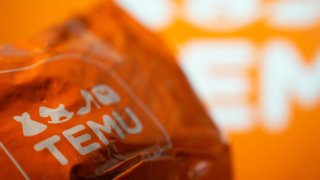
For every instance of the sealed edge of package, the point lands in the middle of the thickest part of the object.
(101, 97)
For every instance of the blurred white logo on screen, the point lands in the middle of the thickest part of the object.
(294, 14)
(226, 15)
(284, 77)
(155, 14)
(221, 14)
(219, 71)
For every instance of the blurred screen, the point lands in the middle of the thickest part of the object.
(255, 64)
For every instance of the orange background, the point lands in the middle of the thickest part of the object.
(292, 153)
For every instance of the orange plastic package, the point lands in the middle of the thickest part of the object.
(101, 98)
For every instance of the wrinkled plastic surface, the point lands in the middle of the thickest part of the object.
(100, 98)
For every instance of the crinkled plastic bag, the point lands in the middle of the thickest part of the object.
(100, 98)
